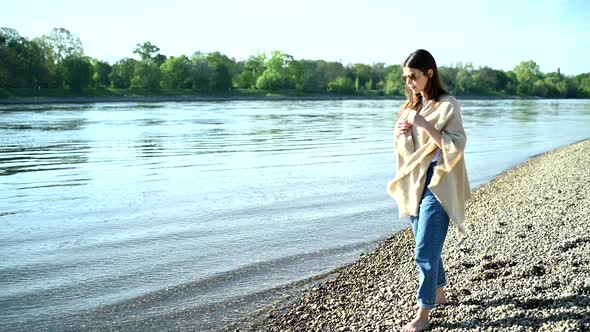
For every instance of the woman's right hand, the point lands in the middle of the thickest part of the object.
(402, 128)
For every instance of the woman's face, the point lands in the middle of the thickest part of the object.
(415, 79)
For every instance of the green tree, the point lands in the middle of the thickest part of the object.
(176, 73)
(485, 80)
(122, 73)
(527, 73)
(53, 75)
(77, 72)
(314, 76)
(504, 83)
(101, 71)
(159, 59)
(12, 66)
(540, 89)
(572, 88)
(57, 60)
(10, 37)
(63, 44)
(201, 73)
(378, 76)
(369, 85)
(463, 80)
(8, 64)
(282, 72)
(394, 85)
(23, 63)
(149, 52)
(146, 76)
(512, 83)
(223, 68)
(295, 74)
(253, 68)
(555, 85)
(342, 85)
(146, 50)
(583, 85)
(559, 85)
(448, 76)
(362, 74)
(332, 70)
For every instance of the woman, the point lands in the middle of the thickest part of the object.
(431, 184)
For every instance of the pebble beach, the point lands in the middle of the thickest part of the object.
(524, 264)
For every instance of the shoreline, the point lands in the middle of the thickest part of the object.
(540, 206)
(156, 99)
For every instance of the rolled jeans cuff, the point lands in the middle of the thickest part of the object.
(425, 306)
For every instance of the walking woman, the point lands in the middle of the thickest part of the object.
(431, 184)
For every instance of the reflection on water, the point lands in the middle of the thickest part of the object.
(150, 147)
(50, 126)
(524, 114)
(113, 211)
(503, 133)
(19, 159)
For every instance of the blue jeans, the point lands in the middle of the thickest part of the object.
(430, 230)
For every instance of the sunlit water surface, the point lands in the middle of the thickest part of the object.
(114, 213)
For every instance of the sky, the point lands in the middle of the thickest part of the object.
(498, 33)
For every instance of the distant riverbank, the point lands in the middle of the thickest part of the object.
(109, 95)
(81, 100)
(155, 99)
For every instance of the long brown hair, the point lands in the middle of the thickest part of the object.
(423, 61)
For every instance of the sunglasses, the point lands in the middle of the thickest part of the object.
(411, 76)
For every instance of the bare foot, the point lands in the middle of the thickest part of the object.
(417, 325)
(441, 298)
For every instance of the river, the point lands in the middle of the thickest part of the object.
(115, 214)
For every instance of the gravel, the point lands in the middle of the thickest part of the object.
(523, 266)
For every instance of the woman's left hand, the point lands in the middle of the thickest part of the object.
(416, 119)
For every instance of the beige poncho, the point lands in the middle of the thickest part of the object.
(415, 151)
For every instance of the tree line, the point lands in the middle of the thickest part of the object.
(57, 61)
